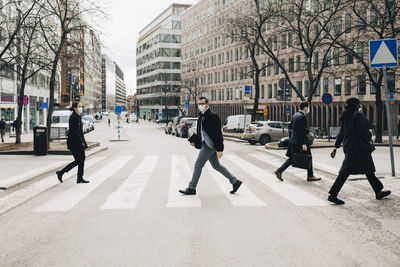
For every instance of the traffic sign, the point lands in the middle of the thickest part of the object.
(45, 105)
(265, 111)
(187, 105)
(391, 98)
(327, 98)
(383, 53)
(118, 109)
(247, 92)
(160, 115)
(287, 111)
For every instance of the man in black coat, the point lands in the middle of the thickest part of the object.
(398, 126)
(211, 144)
(2, 128)
(76, 143)
(298, 141)
(357, 147)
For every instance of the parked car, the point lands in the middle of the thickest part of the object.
(175, 123)
(163, 120)
(183, 127)
(236, 123)
(192, 130)
(60, 124)
(264, 132)
(90, 120)
(168, 128)
(106, 113)
(85, 126)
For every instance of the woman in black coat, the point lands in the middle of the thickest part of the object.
(357, 147)
(76, 143)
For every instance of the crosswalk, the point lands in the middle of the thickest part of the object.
(259, 182)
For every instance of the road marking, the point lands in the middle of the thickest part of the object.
(243, 197)
(180, 177)
(20, 178)
(128, 194)
(18, 197)
(295, 195)
(68, 199)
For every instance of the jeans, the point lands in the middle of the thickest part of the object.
(206, 153)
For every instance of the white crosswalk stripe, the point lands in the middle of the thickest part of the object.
(244, 197)
(180, 173)
(128, 194)
(19, 178)
(24, 194)
(295, 195)
(68, 199)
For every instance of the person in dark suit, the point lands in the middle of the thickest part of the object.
(211, 144)
(357, 147)
(76, 143)
(298, 141)
(398, 126)
(2, 128)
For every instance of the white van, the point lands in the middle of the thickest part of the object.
(236, 123)
(60, 124)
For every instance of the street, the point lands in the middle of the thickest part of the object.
(131, 214)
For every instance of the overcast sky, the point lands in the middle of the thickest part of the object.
(120, 32)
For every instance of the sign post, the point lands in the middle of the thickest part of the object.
(383, 54)
(118, 110)
(247, 94)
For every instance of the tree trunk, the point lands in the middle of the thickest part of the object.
(257, 95)
(18, 128)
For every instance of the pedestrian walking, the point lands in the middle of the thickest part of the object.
(398, 126)
(211, 144)
(298, 142)
(2, 128)
(357, 147)
(76, 143)
(109, 123)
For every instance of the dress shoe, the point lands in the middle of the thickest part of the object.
(236, 186)
(188, 191)
(383, 194)
(81, 181)
(278, 175)
(335, 200)
(59, 175)
(313, 178)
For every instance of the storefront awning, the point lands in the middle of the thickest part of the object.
(7, 107)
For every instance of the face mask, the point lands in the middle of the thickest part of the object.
(80, 110)
(202, 108)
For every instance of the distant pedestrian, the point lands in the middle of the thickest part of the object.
(298, 142)
(109, 122)
(211, 144)
(137, 119)
(357, 147)
(398, 126)
(144, 118)
(76, 143)
(2, 128)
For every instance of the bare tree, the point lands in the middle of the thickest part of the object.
(191, 84)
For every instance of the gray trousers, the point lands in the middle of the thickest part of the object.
(206, 153)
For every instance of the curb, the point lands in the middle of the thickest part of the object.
(49, 152)
(94, 150)
(234, 139)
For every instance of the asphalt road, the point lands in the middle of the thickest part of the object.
(132, 215)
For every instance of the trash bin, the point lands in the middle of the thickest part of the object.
(40, 140)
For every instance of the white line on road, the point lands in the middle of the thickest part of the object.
(20, 178)
(180, 176)
(68, 199)
(243, 197)
(18, 197)
(128, 194)
(295, 195)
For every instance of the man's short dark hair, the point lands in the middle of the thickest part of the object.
(303, 105)
(204, 98)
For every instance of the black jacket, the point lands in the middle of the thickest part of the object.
(299, 133)
(2, 125)
(212, 126)
(76, 139)
(355, 136)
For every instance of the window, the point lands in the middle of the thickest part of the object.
(269, 90)
(347, 85)
(328, 58)
(338, 86)
(326, 85)
(336, 56)
(283, 41)
(360, 51)
(347, 23)
(291, 64)
(361, 84)
(297, 63)
(316, 59)
(275, 90)
(269, 69)
(306, 88)
(262, 91)
(263, 71)
(362, 18)
(300, 87)
(318, 90)
(349, 57)
(276, 69)
(338, 26)
(372, 85)
(275, 43)
(290, 39)
(373, 18)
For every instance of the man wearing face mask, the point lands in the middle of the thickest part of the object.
(298, 141)
(210, 142)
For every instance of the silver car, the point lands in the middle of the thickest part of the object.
(264, 132)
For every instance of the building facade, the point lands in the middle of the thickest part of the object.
(120, 87)
(108, 84)
(158, 64)
(220, 69)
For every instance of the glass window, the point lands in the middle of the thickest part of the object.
(262, 91)
(360, 51)
(361, 84)
(373, 88)
(297, 63)
(338, 86)
(349, 57)
(306, 88)
(347, 23)
(316, 59)
(347, 85)
(269, 90)
(300, 87)
(275, 90)
(326, 85)
(318, 90)
(291, 64)
(336, 56)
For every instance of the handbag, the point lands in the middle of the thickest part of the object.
(302, 160)
(195, 139)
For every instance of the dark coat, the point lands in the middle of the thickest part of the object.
(76, 140)
(2, 125)
(355, 136)
(212, 125)
(299, 135)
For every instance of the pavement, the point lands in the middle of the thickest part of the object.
(131, 214)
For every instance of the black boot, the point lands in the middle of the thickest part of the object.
(81, 180)
(335, 200)
(188, 191)
(236, 186)
(383, 194)
(60, 175)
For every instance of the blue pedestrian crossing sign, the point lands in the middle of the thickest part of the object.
(247, 92)
(187, 105)
(118, 109)
(383, 53)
